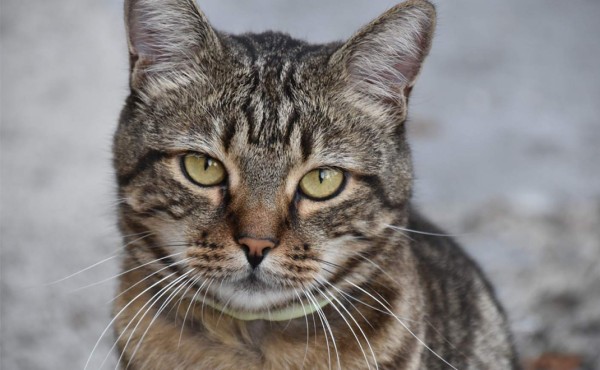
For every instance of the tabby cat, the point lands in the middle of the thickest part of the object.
(265, 188)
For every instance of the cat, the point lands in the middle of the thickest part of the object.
(265, 188)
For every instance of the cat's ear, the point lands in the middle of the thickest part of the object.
(167, 39)
(381, 62)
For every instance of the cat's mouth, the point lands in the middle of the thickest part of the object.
(257, 281)
(259, 297)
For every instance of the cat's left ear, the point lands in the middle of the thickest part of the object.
(381, 62)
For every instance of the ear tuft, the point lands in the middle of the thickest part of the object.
(165, 36)
(383, 59)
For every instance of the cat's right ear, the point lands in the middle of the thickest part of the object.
(169, 40)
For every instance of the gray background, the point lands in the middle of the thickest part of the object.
(504, 127)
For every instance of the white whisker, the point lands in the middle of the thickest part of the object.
(333, 304)
(112, 255)
(307, 330)
(117, 315)
(180, 286)
(403, 324)
(145, 307)
(326, 325)
(149, 276)
(124, 272)
(398, 228)
(192, 301)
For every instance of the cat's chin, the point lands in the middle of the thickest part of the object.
(253, 294)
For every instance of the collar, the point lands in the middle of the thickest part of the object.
(287, 313)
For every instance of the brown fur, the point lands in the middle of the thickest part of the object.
(271, 109)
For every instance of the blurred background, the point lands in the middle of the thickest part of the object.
(504, 125)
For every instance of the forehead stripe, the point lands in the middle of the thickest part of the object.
(228, 133)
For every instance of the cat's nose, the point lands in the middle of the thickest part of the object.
(256, 249)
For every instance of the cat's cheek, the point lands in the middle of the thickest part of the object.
(139, 200)
(281, 265)
(336, 252)
(232, 266)
(168, 234)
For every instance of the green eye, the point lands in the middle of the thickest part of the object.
(322, 183)
(203, 170)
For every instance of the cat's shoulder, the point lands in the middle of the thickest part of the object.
(437, 251)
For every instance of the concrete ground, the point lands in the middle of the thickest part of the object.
(505, 130)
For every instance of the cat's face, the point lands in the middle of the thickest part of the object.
(260, 166)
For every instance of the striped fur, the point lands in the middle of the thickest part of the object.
(271, 108)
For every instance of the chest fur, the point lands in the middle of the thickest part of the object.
(188, 336)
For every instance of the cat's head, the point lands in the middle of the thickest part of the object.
(261, 166)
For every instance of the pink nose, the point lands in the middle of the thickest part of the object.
(256, 249)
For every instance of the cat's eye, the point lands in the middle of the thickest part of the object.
(203, 170)
(322, 183)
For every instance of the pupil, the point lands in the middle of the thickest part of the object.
(207, 163)
(321, 176)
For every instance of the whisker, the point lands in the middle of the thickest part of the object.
(155, 297)
(192, 301)
(224, 308)
(349, 325)
(204, 299)
(124, 272)
(345, 296)
(307, 330)
(111, 256)
(404, 325)
(354, 256)
(179, 287)
(145, 307)
(117, 315)
(182, 296)
(152, 274)
(328, 327)
(136, 234)
(118, 202)
(359, 255)
(319, 313)
(398, 228)
(387, 305)
(324, 325)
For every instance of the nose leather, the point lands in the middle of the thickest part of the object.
(256, 249)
